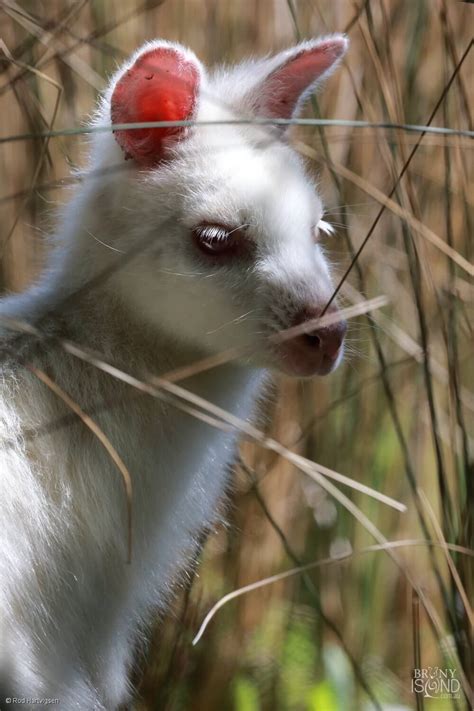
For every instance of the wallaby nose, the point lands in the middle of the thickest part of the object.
(328, 340)
(316, 350)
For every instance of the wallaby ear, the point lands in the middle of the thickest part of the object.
(294, 74)
(160, 84)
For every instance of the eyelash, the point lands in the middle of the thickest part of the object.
(325, 227)
(218, 240)
(322, 226)
(213, 233)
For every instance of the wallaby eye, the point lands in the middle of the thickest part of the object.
(322, 227)
(217, 240)
(325, 227)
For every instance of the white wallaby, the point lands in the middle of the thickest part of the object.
(180, 242)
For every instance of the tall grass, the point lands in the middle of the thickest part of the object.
(397, 416)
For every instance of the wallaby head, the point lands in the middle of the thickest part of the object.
(231, 217)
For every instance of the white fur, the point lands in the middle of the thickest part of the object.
(72, 610)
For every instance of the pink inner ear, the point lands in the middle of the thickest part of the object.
(283, 89)
(162, 85)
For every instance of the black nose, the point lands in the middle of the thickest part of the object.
(327, 340)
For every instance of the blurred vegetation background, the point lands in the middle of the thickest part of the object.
(397, 415)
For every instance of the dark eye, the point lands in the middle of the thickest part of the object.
(217, 240)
